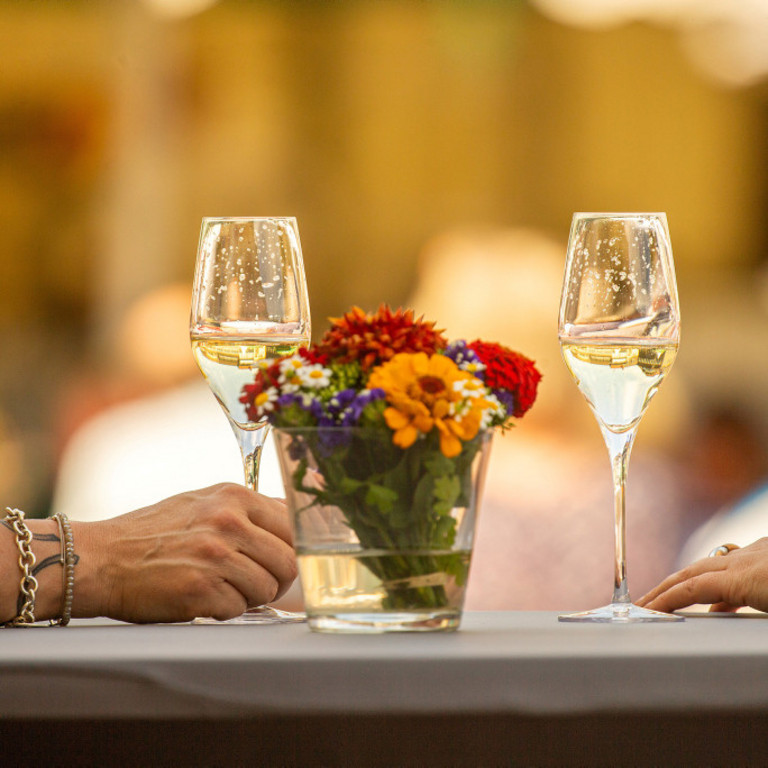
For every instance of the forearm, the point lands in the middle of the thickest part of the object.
(211, 552)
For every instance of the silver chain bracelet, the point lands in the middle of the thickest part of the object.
(27, 560)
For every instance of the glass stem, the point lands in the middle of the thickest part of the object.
(251, 442)
(619, 447)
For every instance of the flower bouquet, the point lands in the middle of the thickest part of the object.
(383, 430)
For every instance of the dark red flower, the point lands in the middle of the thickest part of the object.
(374, 339)
(511, 371)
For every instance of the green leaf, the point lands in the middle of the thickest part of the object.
(447, 489)
(299, 474)
(439, 465)
(381, 497)
(400, 519)
(348, 485)
(446, 532)
(423, 496)
(456, 568)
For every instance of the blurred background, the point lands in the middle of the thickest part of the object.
(433, 153)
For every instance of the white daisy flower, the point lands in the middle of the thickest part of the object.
(292, 363)
(314, 376)
(290, 379)
(495, 409)
(265, 401)
(471, 366)
(470, 388)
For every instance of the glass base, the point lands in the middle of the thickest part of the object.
(620, 613)
(378, 623)
(264, 614)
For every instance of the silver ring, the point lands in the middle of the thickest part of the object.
(722, 550)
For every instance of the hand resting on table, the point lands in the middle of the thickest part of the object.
(730, 582)
(212, 552)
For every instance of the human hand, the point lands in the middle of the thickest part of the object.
(730, 582)
(212, 552)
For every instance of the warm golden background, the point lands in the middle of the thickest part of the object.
(393, 131)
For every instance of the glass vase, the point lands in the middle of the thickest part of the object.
(383, 535)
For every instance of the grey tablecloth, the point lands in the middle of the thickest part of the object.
(497, 663)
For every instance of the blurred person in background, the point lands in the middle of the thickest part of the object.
(726, 475)
(725, 454)
(545, 530)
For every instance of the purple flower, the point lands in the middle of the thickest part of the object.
(466, 358)
(341, 401)
(346, 406)
(330, 439)
(506, 398)
(343, 409)
(290, 398)
(361, 400)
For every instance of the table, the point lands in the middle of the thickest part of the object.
(508, 688)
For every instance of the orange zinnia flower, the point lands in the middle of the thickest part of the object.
(429, 392)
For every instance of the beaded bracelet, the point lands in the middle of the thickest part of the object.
(27, 560)
(68, 564)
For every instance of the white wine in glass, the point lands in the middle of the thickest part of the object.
(249, 306)
(619, 331)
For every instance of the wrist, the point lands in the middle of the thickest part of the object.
(50, 571)
(89, 593)
(44, 545)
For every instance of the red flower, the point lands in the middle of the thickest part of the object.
(374, 339)
(313, 355)
(264, 379)
(509, 370)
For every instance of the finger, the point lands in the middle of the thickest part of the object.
(723, 608)
(671, 581)
(709, 587)
(258, 585)
(222, 573)
(195, 591)
(705, 565)
(230, 535)
(221, 601)
(272, 555)
(272, 515)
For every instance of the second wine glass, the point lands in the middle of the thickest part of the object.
(619, 331)
(249, 305)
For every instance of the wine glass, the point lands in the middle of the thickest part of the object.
(249, 304)
(619, 330)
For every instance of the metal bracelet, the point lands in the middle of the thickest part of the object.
(27, 560)
(68, 564)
